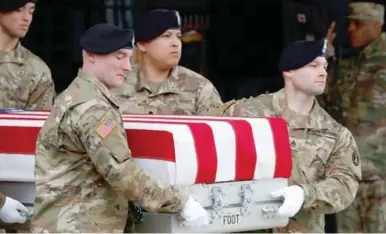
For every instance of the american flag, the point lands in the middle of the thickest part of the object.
(182, 150)
(105, 127)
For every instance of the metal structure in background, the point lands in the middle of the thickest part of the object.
(120, 12)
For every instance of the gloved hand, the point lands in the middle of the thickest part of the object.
(194, 214)
(293, 200)
(10, 212)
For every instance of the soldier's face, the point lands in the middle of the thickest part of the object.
(362, 33)
(113, 67)
(165, 50)
(16, 23)
(310, 79)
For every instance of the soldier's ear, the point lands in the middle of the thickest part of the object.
(88, 56)
(287, 74)
(141, 46)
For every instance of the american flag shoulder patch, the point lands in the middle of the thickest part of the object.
(106, 126)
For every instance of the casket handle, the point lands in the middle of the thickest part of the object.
(217, 197)
(246, 196)
(270, 211)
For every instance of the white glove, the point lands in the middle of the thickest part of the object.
(10, 212)
(293, 200)
(194, 214)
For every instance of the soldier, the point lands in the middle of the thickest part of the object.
(11, 210)
(360, 93)
(158, 81)
(84, 171)
(326, 163)
(26, 79)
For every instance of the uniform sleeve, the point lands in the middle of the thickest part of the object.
(208, 98)
(342, 176)
(106, 144)
(379, 90)
(42, 97)
(2, 200)
(245, 107)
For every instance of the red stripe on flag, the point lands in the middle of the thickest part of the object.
(283, 164)
(204, 145)
(205, 151)
(162, 145)
(246, 156)
(18, 140)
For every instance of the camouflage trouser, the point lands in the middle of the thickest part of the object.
(367, 213)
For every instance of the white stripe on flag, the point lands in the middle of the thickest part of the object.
(17, 167)
(265, 148)
(186, 157)
(22, 123)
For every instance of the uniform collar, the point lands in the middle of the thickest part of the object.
(377, 46)
(293, 119)
(18, 55)
(168, 86)
(100, 86)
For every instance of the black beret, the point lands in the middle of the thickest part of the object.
(300, 53)
(106, 38)
(11, 5)
(153, 23)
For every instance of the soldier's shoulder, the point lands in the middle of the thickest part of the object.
(76, 93)
(330, 123)
(190, 75)
(34, 62)
(91, 108)
(261, 99)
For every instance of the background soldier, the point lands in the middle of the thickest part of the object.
(326, 163)
(361, 90)
(84, 171)
(26, 79)
(158, 81)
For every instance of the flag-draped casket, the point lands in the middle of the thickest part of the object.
(230, 165)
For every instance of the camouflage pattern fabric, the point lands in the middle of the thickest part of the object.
(367, 212)
(84, 171)
(185, 92)
(26, 81)
(362, 91)
(326, 163)
(363, 10)
(2, 200)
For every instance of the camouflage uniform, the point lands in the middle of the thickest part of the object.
(2, 200)
(326, 163)
(364, 107)
(26, 81)
(361, 91)
(84, 171)
(185, 92)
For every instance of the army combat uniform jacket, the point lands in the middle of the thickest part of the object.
(360, 93)
(25, 81)
(84, 171)
(326, 163)
(185, 92)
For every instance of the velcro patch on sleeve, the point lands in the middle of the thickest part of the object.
(106, 126)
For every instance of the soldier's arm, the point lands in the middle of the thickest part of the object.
(245, 107)
(208, 98)
(43, 94)
(2, 200)
(342, 176)
(107, 147)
